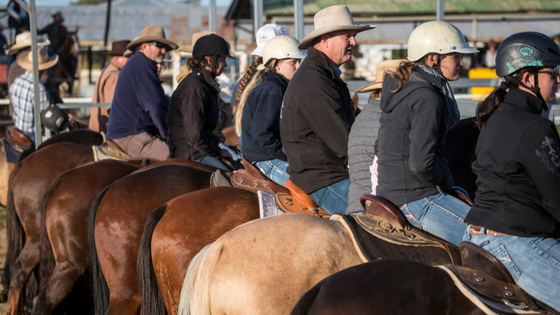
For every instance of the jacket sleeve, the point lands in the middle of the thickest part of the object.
(108, 88)
(265, 126)
(153, 100)
(44, 30)
(540, 157)
(427, 113)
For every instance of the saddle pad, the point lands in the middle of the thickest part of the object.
(488, 306)
(267, 205)
(372, 248)
(12, 155)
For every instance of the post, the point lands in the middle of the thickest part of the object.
(257, 14)
(212, 16)
(440, 14)
(299, 23)
(176, 67)
(106, 35)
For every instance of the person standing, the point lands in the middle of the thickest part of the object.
(317, 112)
(105, 86)
(139, 107)
(19, 18)
(56, 33)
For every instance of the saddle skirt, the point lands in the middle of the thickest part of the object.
(109, 150)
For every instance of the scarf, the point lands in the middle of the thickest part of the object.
(451, 111)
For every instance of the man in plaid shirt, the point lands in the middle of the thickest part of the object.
(21, 91)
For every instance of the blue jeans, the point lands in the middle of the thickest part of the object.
(333, 198)
(440, 215)
(31, 135)
(533, 262)
(212, 161)
(275, 170)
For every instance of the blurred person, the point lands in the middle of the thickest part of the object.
(489, 59)
(56, 33)
(18, 18)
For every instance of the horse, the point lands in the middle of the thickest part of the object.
(177, 231)
(386, 287)
(115, 227)
(65, 69)
(264, 266)
(64, 252)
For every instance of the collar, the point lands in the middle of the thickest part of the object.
(525, 100)
(116, 64)
(206, 76)
(429, 77)
(336, 71)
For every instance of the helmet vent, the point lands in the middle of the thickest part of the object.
(552, 51)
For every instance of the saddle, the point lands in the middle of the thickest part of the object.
(487, 276)
(385, 221)
(17, 139)
(109, 150)
(290, 200)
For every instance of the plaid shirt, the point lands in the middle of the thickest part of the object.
(21, 95)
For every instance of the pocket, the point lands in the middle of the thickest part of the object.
(409, 216)
(502, 255)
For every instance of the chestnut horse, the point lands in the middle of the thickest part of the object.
(116, 222)
(177, 231)
(64, 252)
(264, 266)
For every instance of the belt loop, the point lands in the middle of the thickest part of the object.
(482, 230)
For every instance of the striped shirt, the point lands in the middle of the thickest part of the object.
(21, 96)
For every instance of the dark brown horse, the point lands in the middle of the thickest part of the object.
(116, 222)
(64, 252)
(386, 287)
(177, 231)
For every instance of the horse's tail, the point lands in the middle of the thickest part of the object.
(196, 299)
(15, 234)
(100, 287)
(152, 301)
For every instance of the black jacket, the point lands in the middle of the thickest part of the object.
(518, 170)
(261, 120)
(56, 34)
(193, 116)
(316, 118)
(411, 138)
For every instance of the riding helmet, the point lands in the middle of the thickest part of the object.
(54, 118)
(526, 49)
(213, 45)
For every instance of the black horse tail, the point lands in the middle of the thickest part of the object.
(100, 287)
(152, 301)
(306, 301)
(15, 234)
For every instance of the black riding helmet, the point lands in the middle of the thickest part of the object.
(523, 50)
(54, 118)
(211, 44)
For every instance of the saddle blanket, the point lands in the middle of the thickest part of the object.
(267, 205)
(12, 155)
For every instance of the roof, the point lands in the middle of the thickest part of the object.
(241, 9)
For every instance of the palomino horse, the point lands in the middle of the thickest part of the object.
(116, 222)
(386, 287)
(64, 252)
(264, 266)
(177, 231)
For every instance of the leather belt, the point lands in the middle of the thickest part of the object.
(475, 230)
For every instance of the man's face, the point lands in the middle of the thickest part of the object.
(338, 46)
(154, 51)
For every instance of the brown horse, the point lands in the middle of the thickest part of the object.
(177, 231)
(116, 222)
(265, 266)
(64, 252)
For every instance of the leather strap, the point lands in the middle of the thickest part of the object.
(299, 193)
(476, 230)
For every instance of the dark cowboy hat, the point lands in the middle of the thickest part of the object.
(152, 34)
(58, 13)
(118, 48)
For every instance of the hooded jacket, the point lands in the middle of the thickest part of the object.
(314, 124)
(261, 119)
(411, 138)
(518, 170)
(193, 116)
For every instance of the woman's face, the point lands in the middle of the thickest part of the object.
(451, 66)
(548, 83)
(287, 67)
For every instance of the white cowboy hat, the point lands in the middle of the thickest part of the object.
(23, 41)
(152, 34)
(45, 62)
(332, 19)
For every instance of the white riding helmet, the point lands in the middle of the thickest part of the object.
(282, 47)
(437, 37)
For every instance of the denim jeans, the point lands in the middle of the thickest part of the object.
(275, 170)
(31, 135)
(212, 161)
(333, 198)
(533, 262)
(440, 215)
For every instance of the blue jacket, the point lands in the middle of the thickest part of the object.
(260, 123)
(139, 104)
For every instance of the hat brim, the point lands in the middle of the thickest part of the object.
(372, 87)
(18, 47)
(113, 53)
(186, 49)
(308, 40)
(258, 51)
(140, 40)
(251, 48)
(23, 61)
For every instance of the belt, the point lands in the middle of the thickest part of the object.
(475, 230)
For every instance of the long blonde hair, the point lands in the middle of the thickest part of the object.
(256, 80)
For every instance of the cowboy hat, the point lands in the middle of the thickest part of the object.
(118, 48)
(152, 34)
(250, 48)
(195, 37)
(380, 70)
(23, 41)
(128, 53)
(45, 62)
(58, 13)
(332, 19)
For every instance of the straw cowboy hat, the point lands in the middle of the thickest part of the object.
(45, 62)
(152, 34)
(332, 19)
(195, 37)
(118, 48)
(23, 41)
(380, 69)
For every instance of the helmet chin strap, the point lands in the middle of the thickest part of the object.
(211, 66)
(535, 89)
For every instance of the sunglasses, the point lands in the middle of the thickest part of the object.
(157, 44)
(555, 72)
